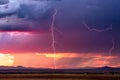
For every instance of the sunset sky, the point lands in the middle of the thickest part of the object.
(86, 33)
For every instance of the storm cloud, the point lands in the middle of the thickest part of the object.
(26, 8)
(71, 35)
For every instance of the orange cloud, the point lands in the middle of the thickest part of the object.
(63, 60)
(59, 55)
(32, 60)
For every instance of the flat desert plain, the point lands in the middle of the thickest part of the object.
(59, 77)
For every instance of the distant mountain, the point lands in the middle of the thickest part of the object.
(11, 67)
(27, 70)
(18, 67)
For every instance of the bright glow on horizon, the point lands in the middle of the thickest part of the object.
(45, 60)
(6, 59)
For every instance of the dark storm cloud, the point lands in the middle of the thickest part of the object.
(98, 14)
(106, 13)
(27, 9)
(30, 12)
(75, 37)
(4, 1)
(14, 28)
(37, 12)
(84, 42)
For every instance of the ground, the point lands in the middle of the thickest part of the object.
(59, 77)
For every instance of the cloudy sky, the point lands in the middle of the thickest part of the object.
(86, 33)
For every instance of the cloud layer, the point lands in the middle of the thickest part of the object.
(71, 35)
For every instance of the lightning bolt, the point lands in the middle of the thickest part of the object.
(103, 30)
(112, 48)
(110, 51)
(53, 36)
(97, 30)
